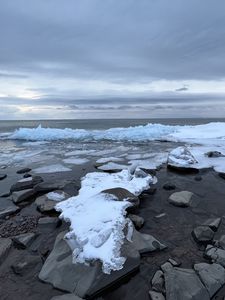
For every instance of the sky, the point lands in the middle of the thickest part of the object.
(112, 59)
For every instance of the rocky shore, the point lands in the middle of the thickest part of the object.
(177, 248)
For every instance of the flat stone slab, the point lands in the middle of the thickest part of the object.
(212, 275)
(26, 183)
(137, 221)
(5, 246)
(213, 223)
(23, 195)
(182, 199)
(7, 207)
(24, 240)
(48, 223)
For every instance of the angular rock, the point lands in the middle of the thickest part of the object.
(203, 234)
(214, 154)
(27, 264)
(156, 296)
(66, 297)
(7, 208)
(158, 281)
(2, 176)
(212, 276)
(44, 204)
(24, 170)
(48, 223)
(182, 199)
(213, 223)
(169, 186)
(122, 194)
(5, 246)
(216, 255)
(146, 243)
(184, 284)
(166, 266)
(23, 195)
(24, 240)
(181, 158)
(26, 183)
(84, 281)
(222, 242)
(137, 221)
(46, 187)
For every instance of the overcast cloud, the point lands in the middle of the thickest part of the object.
(85, 58)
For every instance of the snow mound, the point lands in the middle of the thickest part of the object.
(98, 219)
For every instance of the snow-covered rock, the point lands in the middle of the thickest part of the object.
(181, 158)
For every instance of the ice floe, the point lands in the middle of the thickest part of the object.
(76, 161)
(51, 169)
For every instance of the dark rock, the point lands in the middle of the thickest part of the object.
(48, 223)
(24, 240)
(212, 276)
(84, 281)
(7, 208)
(46, 187)
(122, 194)
(182, 199)
(158, 281)
(26, 183)
(215, 254)
(23, 195)
(44, 204)
(5, 246)
(203, 234)
(27, 264)
(184, 284)
(213, 154)
(156, 296)
(26, 175)
(66, 297)
(24, 170)
(137, 221)
(2, 176)
(213, 223)
(150, 191)
(169, 186)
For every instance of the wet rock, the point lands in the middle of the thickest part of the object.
(66, 297)
(158, 281)
(213, 223)
(48, 223)
(46, 187)
(222, 242)
(24, 240)
(44, 204)
(23, 195)
(5, 195)
(5, 246)
(214, 154)
(27, 264)
(24, 170)
(26, 183)
(203, 234)
(2, 176)
(215, 254)
(137, 221)
(168, 186)
(122, 194)
(181, 158)
(212, 276)
(26, 175)
(146, 243)
(84, 281)
(184, 284)
(182, 199)
(156, 296)
(166, 266)
(7, 208)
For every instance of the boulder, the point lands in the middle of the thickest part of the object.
(181, 158)
(23, 195)
(80, 279)
(2, 176)
(66, 297)
(24, 170)
(122, 194)
(7, 208)
(158, 281)
(182, 199)
(212, 276)
(45, 204)
(156, 296)
(45, 187)
(203, 234)
(222, 242)
(24, 240)
(216, 255)
(27, 264)
(184, 284)
(5, 246)
(26, 183)
(137, 221)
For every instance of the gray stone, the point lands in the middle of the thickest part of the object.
(44, 204)
(5, 246)
(158, 281)
(213, 223)
(182, 199)
(27, 264)
(146, 243)
(122, 194)
(82, 280)
(216, 255)
(184, 284)
(166, 266)
(137, 221)
(24, 240)
(45, 187)
(7, 207)
(222, 242)
(212, 276)
(24, 170)
(2, 176)
(203, 234)
(66, 297)
(48, 223)
(156, 296)
(23, 195)
(26, 183)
